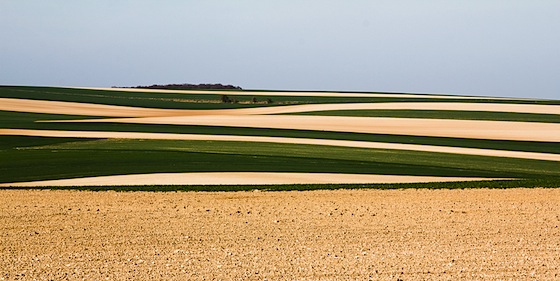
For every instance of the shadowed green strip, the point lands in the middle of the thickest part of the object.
(497, 184)
(207, 101)
(58, 158)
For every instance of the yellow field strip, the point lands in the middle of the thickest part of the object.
(475, 129)
(455, 106)
(340, 143)
(86, 109)
(90, 109)
(237, 178)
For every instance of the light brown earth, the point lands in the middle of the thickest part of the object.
(243, 178)
(410, 234)
(78, 108)
(476, 129)
(90, 109)
(342, 143)
(458, 106)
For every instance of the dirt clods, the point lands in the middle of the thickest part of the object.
(314, 235)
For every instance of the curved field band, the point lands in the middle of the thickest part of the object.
(341, 143)
(448, 128)
(91, 109)
(238, 178)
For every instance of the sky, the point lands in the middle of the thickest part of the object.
(507, 48)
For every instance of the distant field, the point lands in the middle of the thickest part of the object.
(32, 156)
(444, 114)
(211, 100)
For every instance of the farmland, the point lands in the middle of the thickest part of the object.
(66, 133)
(322, 185)
(472, 234)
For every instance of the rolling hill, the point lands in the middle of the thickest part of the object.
(107, 137)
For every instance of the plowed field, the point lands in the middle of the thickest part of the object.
(314, 235)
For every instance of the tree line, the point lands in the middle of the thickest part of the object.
(190, 87)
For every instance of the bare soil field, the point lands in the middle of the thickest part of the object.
(314, 235)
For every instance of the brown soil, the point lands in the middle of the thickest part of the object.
(320, 235)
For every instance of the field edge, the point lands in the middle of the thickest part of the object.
(487, 184)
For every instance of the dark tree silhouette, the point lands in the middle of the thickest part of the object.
(226, 99)
(191, 87)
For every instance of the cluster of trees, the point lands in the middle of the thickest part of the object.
(227, 99)
(191, 87)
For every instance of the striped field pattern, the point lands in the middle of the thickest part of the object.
(98, 137)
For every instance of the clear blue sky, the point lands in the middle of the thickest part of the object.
(473, 47)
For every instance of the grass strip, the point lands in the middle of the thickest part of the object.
(208, 101)
(496, 184)
(68, 158)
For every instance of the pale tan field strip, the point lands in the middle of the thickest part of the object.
(292, 94)
(341, 143)
(476, 129)
(472, 234)
(77, 108)
(237, 178)
(90, 109)
(457, 106)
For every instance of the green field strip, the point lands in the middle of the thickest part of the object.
(147, 100)
(19, 120)
(441, 114)
(321, 94)
(204, 101)
(14, 119)
(20, 142)
(62, 164)
(494, 184)
(113, 157)
(318, 152)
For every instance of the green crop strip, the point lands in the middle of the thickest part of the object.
(496, 184)
(207, 101)
(84, 158)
